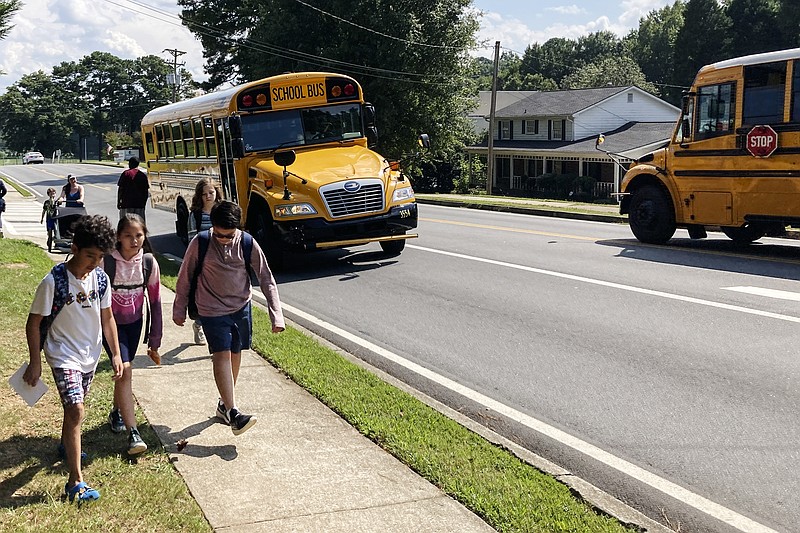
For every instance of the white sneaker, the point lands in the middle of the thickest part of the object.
(199, 336)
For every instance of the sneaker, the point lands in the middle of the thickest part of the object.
(135, 443)
(222, 413)
(115, 421)
(199, 336)
(240, 422)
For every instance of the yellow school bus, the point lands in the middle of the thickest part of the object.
(295, 152)
(733, 160)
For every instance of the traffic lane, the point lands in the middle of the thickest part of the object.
(554, 349)
(690, 272)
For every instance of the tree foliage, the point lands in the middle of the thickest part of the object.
(410, 57)
(99, 93)
(7, 10)
(616, 71)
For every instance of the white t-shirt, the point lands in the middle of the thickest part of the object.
(74, 339)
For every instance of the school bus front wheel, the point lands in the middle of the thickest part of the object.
(651, 216)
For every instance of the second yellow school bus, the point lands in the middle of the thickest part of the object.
(734, 159)
(294, 151)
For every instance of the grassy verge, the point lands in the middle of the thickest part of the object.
(141, 495)
(532, 204)
(17, 187)
(507, 493)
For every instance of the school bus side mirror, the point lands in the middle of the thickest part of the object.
(372, 136)
(369, 115)
(237, 147)
(685, 133)
(235, 126)
(424, 140)
(284, 159)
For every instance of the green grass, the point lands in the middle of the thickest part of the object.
(507, 493)
(145, 494)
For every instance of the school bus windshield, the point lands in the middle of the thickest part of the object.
(297, 127)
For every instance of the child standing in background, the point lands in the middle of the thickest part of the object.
(3, 192)
(206, 196)
(49, 210)
(127, 267)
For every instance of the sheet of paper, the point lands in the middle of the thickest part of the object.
(30, 394)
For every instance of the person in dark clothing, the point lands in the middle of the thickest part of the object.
(132, 190)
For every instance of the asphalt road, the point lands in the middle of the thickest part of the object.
(665, 375)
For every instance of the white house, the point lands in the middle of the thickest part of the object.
(555, 132)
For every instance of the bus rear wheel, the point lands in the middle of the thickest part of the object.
(743, 234)
(651, 216)
(393, 247)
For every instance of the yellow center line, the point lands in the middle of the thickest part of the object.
(513, 230)
(103, 187)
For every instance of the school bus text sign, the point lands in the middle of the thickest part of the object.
(761, 141)
(306, 92)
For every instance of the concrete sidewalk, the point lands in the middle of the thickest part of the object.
(300, 468)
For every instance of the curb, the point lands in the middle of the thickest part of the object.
(522, 210)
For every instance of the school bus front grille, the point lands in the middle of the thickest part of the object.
(341, 202)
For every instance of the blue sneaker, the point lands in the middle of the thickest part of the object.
(81, 492)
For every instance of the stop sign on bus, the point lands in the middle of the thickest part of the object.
(762, 141)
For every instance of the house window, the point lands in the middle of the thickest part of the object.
(530, 127)
(630, 98)
(505, 129)
(557, 130)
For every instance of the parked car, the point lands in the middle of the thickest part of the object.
(32, 157)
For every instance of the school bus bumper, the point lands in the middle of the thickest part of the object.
(317, 233)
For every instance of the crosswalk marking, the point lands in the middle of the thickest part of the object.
(770, 293)
(22, 218)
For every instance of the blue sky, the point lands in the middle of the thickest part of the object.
(48, 32)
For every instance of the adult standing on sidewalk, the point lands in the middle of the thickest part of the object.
(3, 192)
(222, 296)
(133, 188)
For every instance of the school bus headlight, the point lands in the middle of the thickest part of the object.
(295, 210)
(403, 194)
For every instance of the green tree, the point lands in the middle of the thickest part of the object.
(7, 10)
(595, 46)
(615, 71)
(652, 46)
(554, 59)
(36, 113)
(410, 57)
(753, 26)
(703, 38)
(789, 22)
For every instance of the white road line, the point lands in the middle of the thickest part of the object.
(769, 293)
(611, 284)
(669, 488)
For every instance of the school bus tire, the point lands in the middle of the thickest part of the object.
(266, 236)
(743, 234)
(182, 223)
(651, 216)
(392, 248)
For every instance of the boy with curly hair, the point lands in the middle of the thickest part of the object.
(73, 339)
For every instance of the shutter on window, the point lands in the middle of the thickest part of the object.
(510, 129)
(549, 130)
(563, 130)
(524, 124)
(536, 126)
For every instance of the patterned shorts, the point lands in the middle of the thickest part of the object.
(72, 385)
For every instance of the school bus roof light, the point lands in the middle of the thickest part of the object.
(247, 100)
(261, 98)
(336, 91)
(349, 89)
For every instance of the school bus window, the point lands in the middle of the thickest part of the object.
(715, 110)
(162, 147)
(208, 125)
(199, 137)
(188, 138)
(177, 142)
(169, 152)
(764, 87)
(148, 140)
(796, 92)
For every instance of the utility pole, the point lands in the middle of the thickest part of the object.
(490, 149)
(175, 78)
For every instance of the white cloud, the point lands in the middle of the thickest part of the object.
(567, 10)
(49, 32)
(633, 10)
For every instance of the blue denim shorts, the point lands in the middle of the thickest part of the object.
(233, 332)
